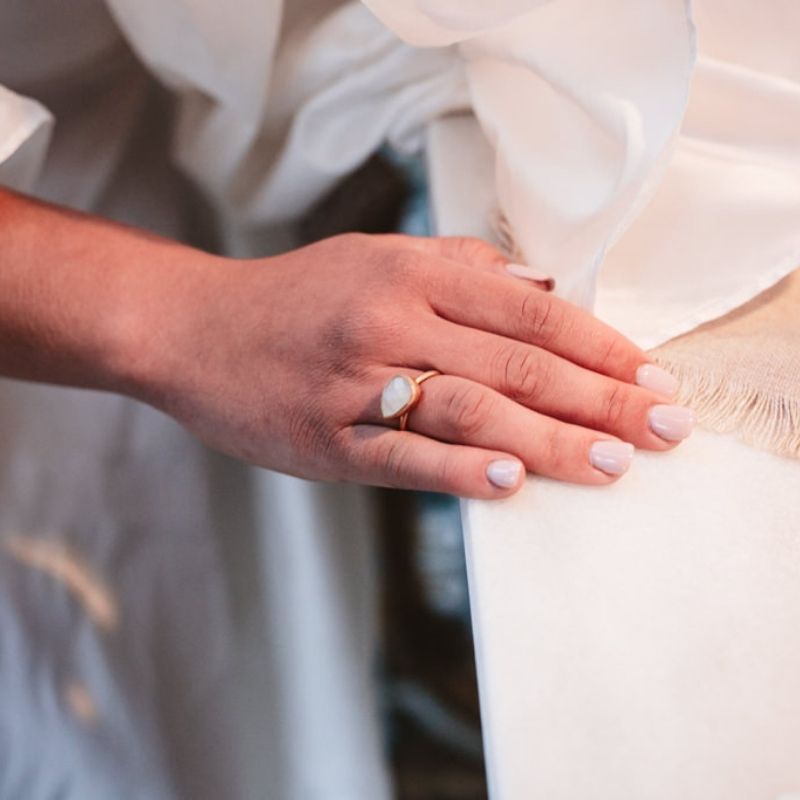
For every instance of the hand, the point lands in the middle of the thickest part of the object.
(281, 361)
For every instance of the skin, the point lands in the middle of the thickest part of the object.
(281, 361)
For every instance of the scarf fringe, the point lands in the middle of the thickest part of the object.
(725, 405)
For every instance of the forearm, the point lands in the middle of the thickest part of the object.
(75, 293)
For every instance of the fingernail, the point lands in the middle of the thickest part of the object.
(611, 457)
(651, 377)
(531, 274)
(504, 473)
(672, 423)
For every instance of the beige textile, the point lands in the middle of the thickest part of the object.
(741, 373)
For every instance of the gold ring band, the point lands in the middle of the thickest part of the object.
(401, 394)
(419, 380)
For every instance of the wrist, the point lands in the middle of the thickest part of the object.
(89, 303)
(148, 352)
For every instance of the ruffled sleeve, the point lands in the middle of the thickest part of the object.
(724, 223)
(582, 103)
(267, 124)
(218, 62)
(653, 169)
(660, 187)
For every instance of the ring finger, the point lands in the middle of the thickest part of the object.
(460, 411)
(555, 386)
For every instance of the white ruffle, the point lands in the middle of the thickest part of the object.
(269, 123)
(659, 187)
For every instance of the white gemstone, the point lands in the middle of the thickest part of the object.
(396, 396)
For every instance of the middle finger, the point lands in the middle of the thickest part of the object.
(554, 386)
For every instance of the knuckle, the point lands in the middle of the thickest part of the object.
(612, 407)
(614, 355)
(554, 452)
(540, 320)
(474, 250)
(448, 475)
(550, 443)
(523, 374)
(402, 267)
(467, 411)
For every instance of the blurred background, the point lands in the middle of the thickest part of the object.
(427, 669)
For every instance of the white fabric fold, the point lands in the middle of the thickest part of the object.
(438, 23)
(724, 224)
(582, 114)
(642, 641)
(267, 128)
(218, 61)
(25, 128)
(344, 85)
(659, 187)
(580, 136)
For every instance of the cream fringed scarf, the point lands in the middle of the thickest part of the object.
(741, 373)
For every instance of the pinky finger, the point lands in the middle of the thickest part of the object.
(405, 460)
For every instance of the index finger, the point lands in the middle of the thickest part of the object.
(467, 251)
(511, 308)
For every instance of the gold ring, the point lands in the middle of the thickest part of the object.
(401, 394)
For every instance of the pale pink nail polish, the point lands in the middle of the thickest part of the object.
(651, 377)
(611, 457)
(531, 274)
(672, 423)
(504, 473)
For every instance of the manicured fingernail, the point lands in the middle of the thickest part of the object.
(531, 274)
(672, 423)
(504, 473)
(611, 457)
(651, 377)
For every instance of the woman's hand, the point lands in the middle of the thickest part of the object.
(282, 361)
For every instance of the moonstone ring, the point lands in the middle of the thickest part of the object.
(401, 394)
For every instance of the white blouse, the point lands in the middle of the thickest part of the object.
(647, 154)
